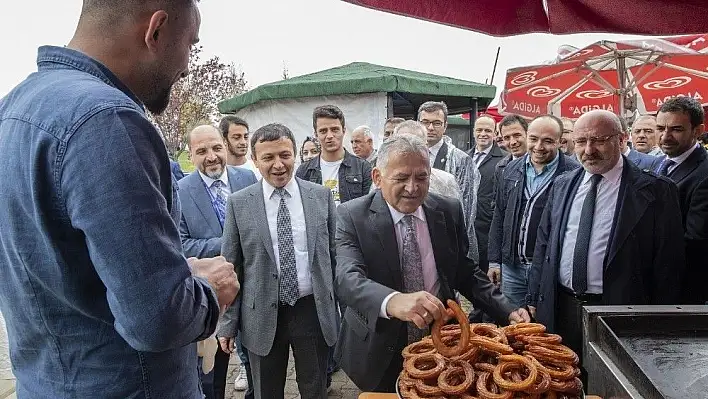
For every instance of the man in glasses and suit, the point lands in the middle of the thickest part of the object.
(594, 233)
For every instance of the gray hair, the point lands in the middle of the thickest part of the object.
(411, 127)
(365, 130)
(400, 144)
(433, 106)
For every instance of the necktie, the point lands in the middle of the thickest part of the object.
(288, 291)
(219, 200)
(478, 157)
(664, 171)
(582, 242)
(412, 268)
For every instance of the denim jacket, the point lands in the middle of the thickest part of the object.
(354, 175)
(98, 299)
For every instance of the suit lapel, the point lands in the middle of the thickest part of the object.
(441, 158)
(437, 229)
(234, 180)
(689, 165)
(197, 190)
(494, 152)
(566, 204)
(382, 223)
(260, 218)
(312, 215)
(632, 202)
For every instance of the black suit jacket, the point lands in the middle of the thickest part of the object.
(645, 259)
(368, 270)
(691, 177)
(485, 201)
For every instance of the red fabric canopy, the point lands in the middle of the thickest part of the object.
(513, 17)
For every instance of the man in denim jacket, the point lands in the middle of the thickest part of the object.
(98, 299)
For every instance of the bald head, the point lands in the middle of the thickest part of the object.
(208, 150)
(411, 127)
(606, 119)
(599, 139)
(145, 43)
(484, 128)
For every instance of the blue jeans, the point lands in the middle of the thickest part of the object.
(515, 283)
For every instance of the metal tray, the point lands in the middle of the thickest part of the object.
(648, 352)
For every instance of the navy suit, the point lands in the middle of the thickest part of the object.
(201, 232)
(176, 170)
(645, 259)
(644, 161)
(199, 227)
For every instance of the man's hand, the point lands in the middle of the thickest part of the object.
(221, 276)
(494, 274)
(227, 344)
(421, 308)
(532, 310)
(519, 316)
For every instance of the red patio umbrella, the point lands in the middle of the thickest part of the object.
(617, 76)
(512, 17)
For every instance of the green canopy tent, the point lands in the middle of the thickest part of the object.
(385, 92)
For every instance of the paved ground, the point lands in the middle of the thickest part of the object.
(342, 387)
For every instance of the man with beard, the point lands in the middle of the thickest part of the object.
(595, 230)
(203, 196)
(235, 133)
(521, 195)
(645, 137)
(98, 298)
(643, 161)
(680, 124)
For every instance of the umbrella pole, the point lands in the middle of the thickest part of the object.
(622, 71)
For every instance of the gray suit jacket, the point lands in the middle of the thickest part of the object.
(369, 269)
(247, 244)
(199, 227)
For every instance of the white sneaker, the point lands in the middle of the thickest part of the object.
(241, 382)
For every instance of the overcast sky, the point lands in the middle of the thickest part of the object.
(306, 35)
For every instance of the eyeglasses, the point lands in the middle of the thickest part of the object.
(436, 124)
(582, 141)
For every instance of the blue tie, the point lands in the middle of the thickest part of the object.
(219, 201)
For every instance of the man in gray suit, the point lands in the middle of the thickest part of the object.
(203, 196)
(279, 235)
(401, 251)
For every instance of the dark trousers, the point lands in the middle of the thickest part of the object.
(388, 382)
(298, 327)
(569, 323)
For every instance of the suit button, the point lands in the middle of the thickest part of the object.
(273, 305)
(389, 348)
(275, 275)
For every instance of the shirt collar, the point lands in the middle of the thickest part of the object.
(484, 151)
(209, 181)
(626, 153)
(397, 216)
(546, 167)
(292, 188)
(679, 159)
(613, 175)
(434, 149)
(53, 57)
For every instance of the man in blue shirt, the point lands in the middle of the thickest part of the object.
(521, 194)
(98, 299)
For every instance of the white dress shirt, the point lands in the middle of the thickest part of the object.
(681, 158)
(431, 280)
(297, 220)
(434, 151)
(603, 220)
(225, 188)
(479, 158)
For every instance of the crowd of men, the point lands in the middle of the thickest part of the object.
(120, 281)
